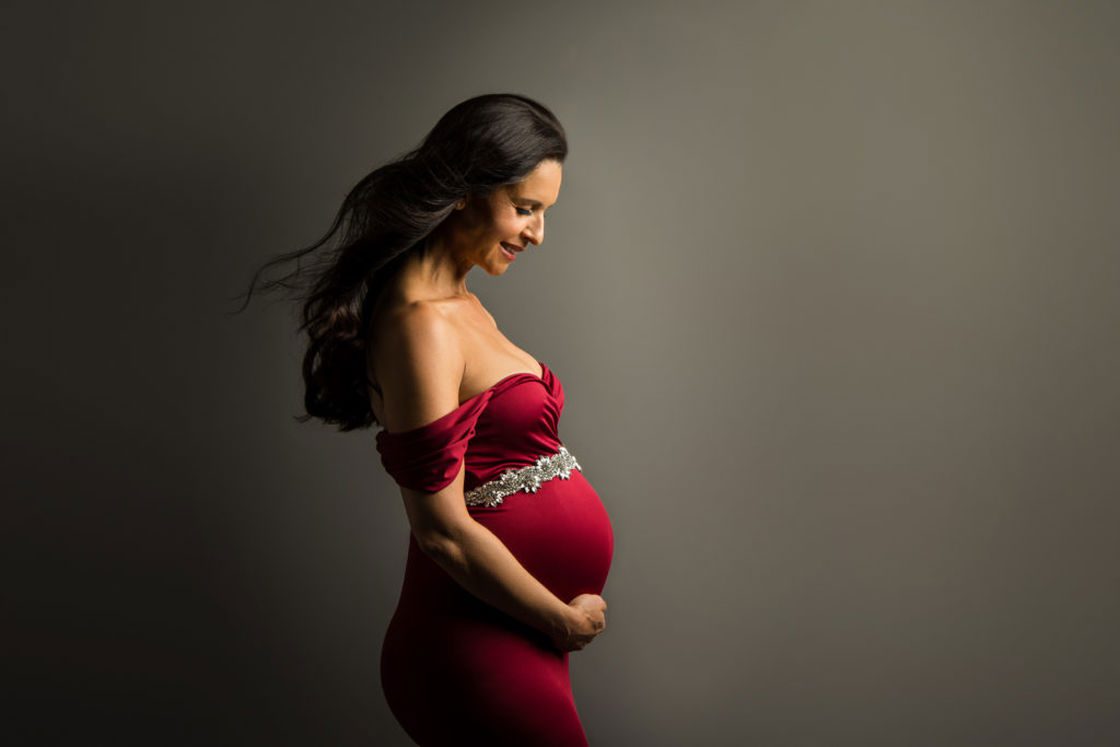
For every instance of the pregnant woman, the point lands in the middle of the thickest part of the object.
(510, 545)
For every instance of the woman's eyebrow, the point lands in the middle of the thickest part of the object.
(534, 203)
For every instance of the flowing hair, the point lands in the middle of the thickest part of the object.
(479, 145)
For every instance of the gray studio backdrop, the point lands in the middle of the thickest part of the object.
(832, 289)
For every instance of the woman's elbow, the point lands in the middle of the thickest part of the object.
(439, 521)
(441, 543)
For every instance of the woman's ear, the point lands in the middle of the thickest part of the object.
(460, 204)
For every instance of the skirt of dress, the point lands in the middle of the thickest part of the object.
(456, 670)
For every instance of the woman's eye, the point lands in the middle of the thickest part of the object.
(524, 211)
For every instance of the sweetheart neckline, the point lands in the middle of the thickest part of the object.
(505, 378)
(542, 377)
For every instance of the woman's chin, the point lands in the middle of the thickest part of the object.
(498, 268)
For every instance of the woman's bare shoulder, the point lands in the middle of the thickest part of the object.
(428, 329)
(419, 364)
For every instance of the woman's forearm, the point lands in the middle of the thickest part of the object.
(483, 565)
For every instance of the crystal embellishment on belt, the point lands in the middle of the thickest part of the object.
(528, 479)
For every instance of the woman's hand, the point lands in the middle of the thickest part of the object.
(586, 620)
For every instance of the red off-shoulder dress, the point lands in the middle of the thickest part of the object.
(456, 670)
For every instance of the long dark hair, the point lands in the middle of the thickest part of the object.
(479, 145)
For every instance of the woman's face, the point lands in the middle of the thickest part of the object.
(512, 215)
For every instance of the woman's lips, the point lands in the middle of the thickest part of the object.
(510, 253)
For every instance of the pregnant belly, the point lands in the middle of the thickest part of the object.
(561, 534)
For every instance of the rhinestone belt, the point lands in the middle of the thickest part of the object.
(528, 479)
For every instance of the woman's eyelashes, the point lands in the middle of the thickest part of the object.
(524, 211)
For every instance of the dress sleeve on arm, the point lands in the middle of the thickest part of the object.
(428, 458)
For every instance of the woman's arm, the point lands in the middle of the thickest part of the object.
(481, 563)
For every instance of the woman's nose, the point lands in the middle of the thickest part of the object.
(536, 232)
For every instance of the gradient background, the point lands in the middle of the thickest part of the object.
(832, 288)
